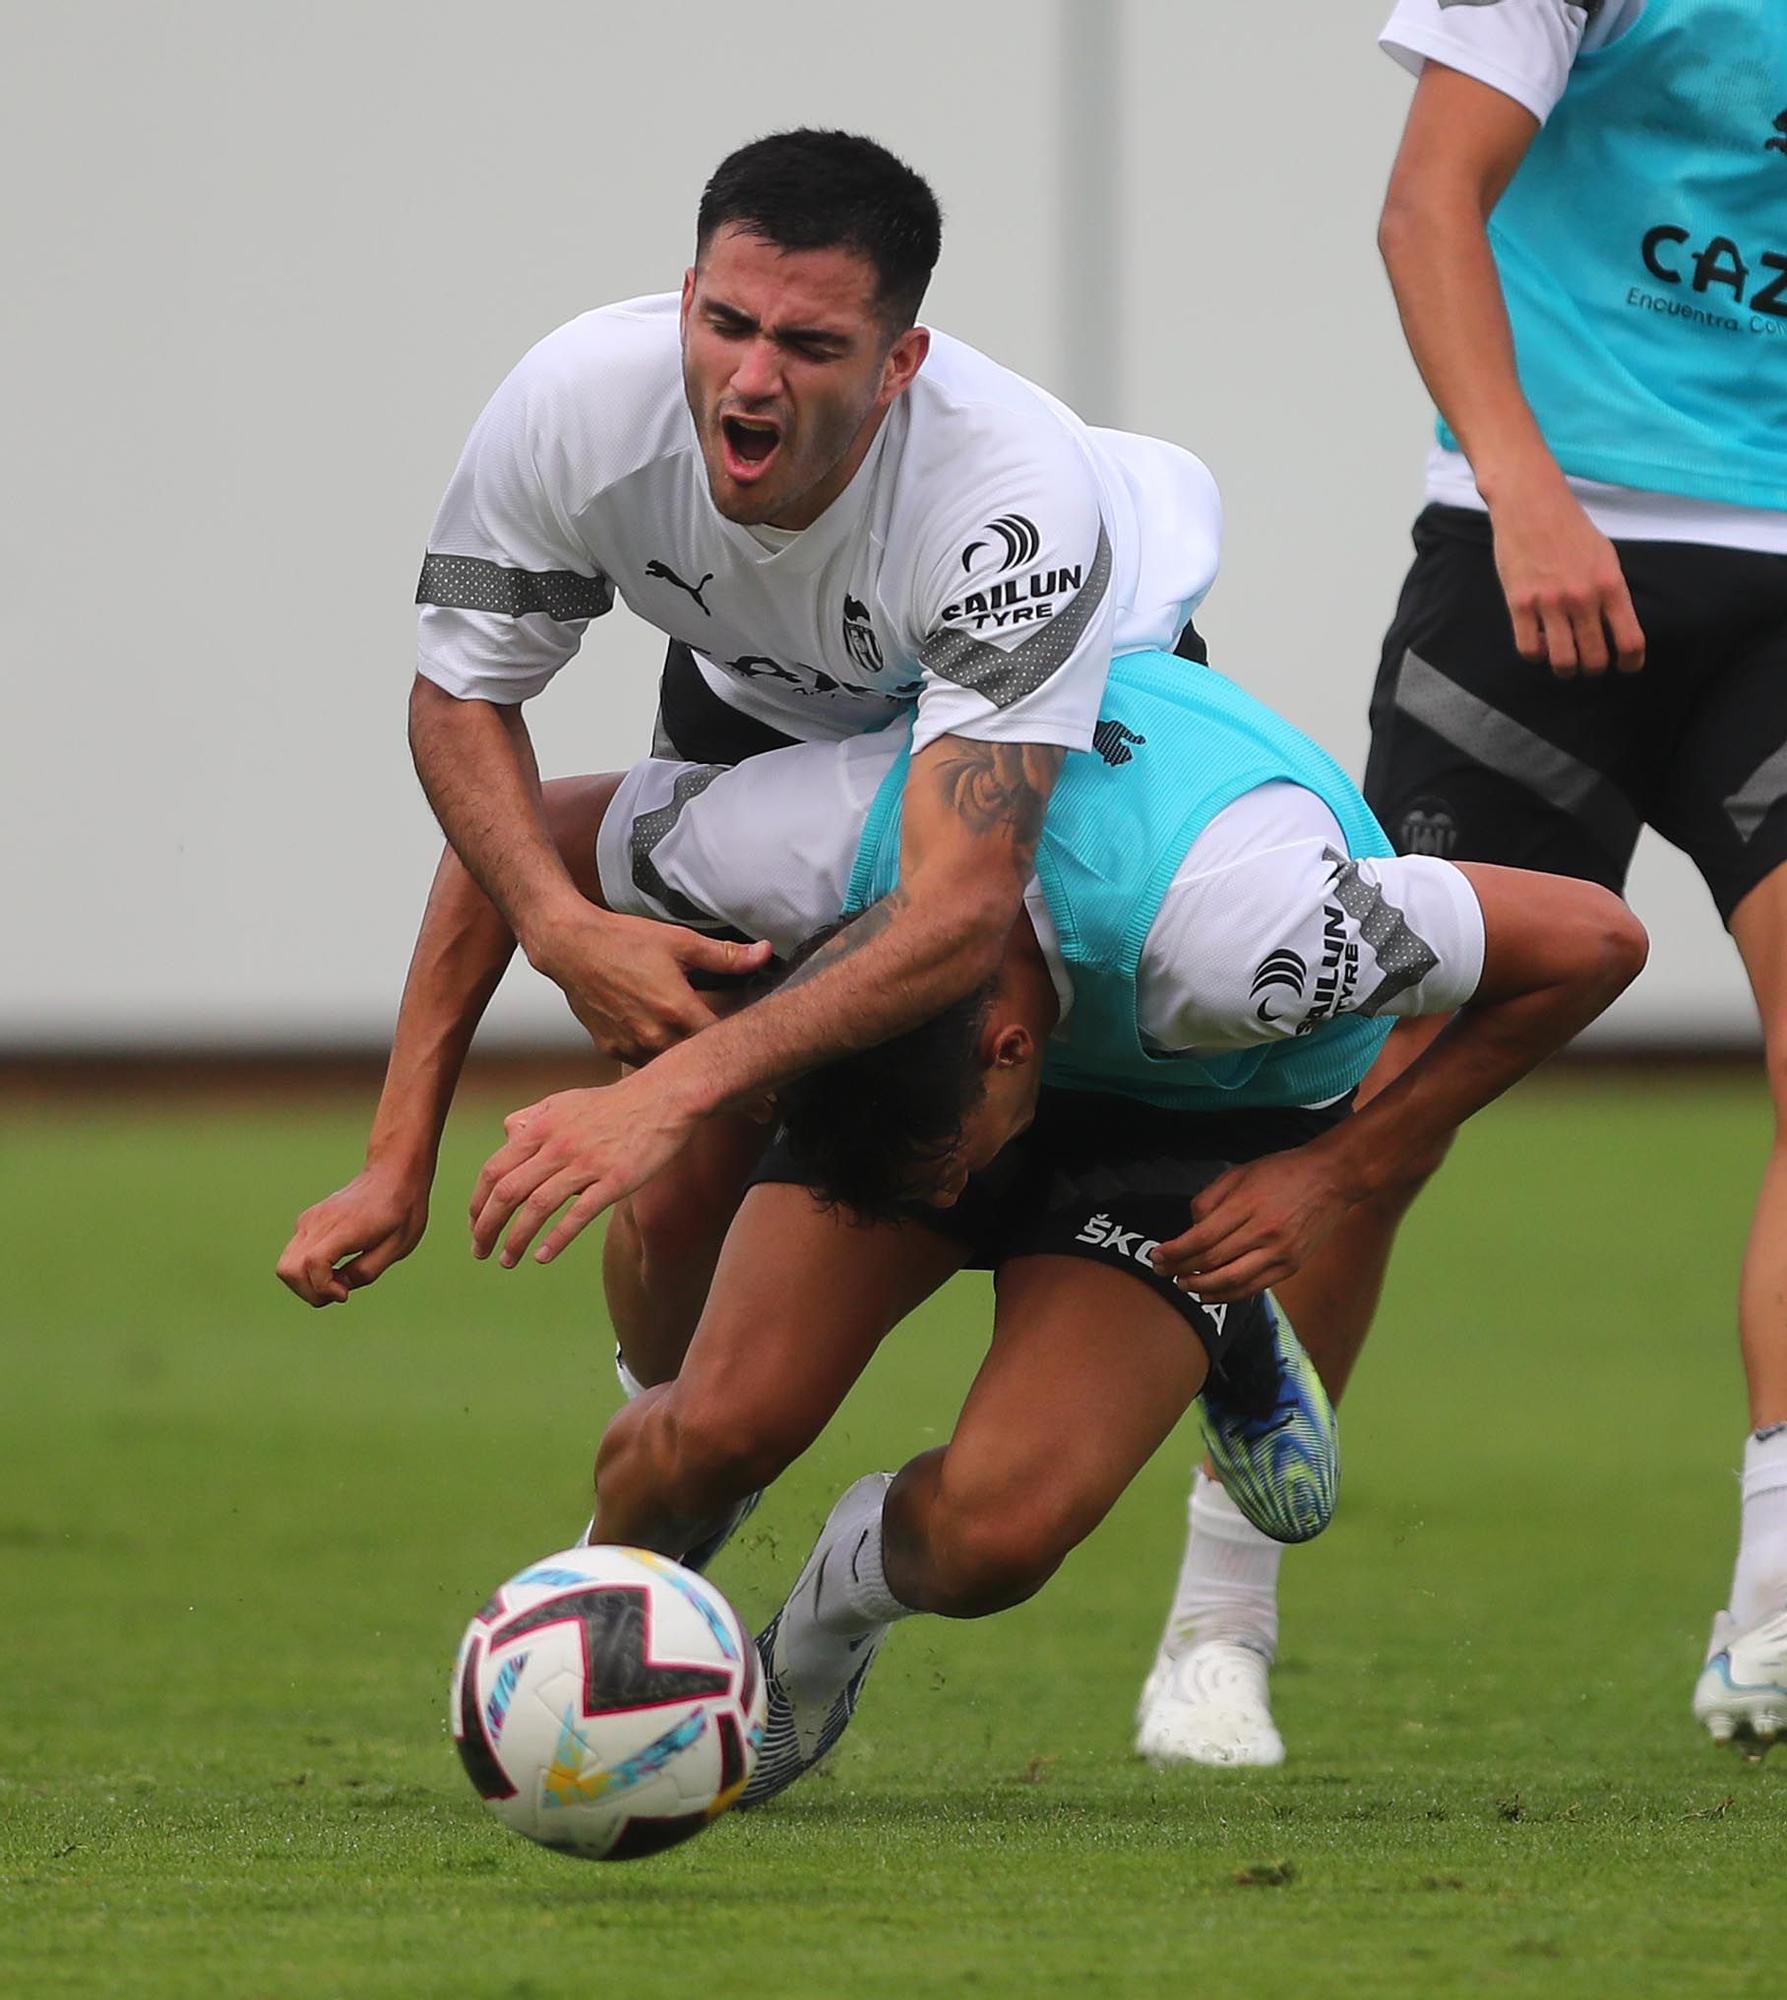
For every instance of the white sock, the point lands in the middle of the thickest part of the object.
(1759, 1583)
(853, 1592)
(1228, 1582)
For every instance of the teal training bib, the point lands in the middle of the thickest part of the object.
(1642, 247)
(1176, 743)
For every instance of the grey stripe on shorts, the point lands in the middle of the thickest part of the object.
(1500, 744)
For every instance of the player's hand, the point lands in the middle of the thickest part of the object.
(1255, 1225)
(354, 1236)
(1566, 592)
(627, 979)
(591, 1148)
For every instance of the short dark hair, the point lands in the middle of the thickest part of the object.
(812, 190)
(863, 1131)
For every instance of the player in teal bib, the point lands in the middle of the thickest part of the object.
(1586, 232)
(1642, 250)
(1118, 830)
(1141, 1122)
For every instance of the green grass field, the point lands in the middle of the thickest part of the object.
(240, 1541)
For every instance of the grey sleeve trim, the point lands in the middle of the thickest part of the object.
(1002, 675)
(1403, 958)
(469, 583)
(652, 827)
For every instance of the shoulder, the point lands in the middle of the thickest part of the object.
(984, 446)
(964, 399)
(1523, 48)
(598, 397)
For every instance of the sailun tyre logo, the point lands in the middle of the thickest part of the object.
(1284, 970)
(1015, 534)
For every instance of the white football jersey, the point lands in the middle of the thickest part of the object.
(765, 849)
(989, 559)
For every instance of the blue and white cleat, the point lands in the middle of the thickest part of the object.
(1741, 1696)
(813, 1678)
(1279, 1461)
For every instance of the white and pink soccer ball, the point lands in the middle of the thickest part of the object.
(607, 1703)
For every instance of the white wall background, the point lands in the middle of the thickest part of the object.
(263, 265)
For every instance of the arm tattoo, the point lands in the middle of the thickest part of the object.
(1000, 788)
(859, 932)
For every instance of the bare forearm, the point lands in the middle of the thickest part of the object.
(1484, 1049)
(972, 815)
(461, 952)
(476, 764)
(903, 961)
(1436, 249)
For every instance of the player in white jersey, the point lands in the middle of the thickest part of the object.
(1079, 1200)
(1584, 232)
(834, 515)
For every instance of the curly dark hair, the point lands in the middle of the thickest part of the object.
(866, 1130)
(813, 190)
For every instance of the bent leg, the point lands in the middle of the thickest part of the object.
(1759, 1580)
(1759, 925)
(1205, 1698)
(1088, 1372)
(663, 1244)
(801, 1299)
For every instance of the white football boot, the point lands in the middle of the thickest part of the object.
(1208, 1705)
(812, 1678)
(1741, 1697)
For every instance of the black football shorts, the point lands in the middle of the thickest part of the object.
(1108, 1178)
(1480, 755)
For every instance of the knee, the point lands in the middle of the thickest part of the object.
(714, 1451)
(986, 1557)
(657, 1231)
(678, 1219)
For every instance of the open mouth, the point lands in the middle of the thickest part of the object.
(751, 442)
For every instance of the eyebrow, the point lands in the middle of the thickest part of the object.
(824, 335)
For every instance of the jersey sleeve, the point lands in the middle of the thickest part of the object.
(1013, 600)
(508, 585)
(1523, 48)
(1285, 932)
(763, 849)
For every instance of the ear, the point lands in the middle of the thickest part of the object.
(1010, 1045)
(904, 359)
(687, 306)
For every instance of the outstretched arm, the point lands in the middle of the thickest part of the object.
(462, 950)
(1556, 954)
(1566, 594)
(973, 812)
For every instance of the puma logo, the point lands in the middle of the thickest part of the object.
(1778, 144)
(694, 590)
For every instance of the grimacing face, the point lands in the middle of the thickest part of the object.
(789, 368)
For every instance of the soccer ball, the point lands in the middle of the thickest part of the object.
(607, 1703)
